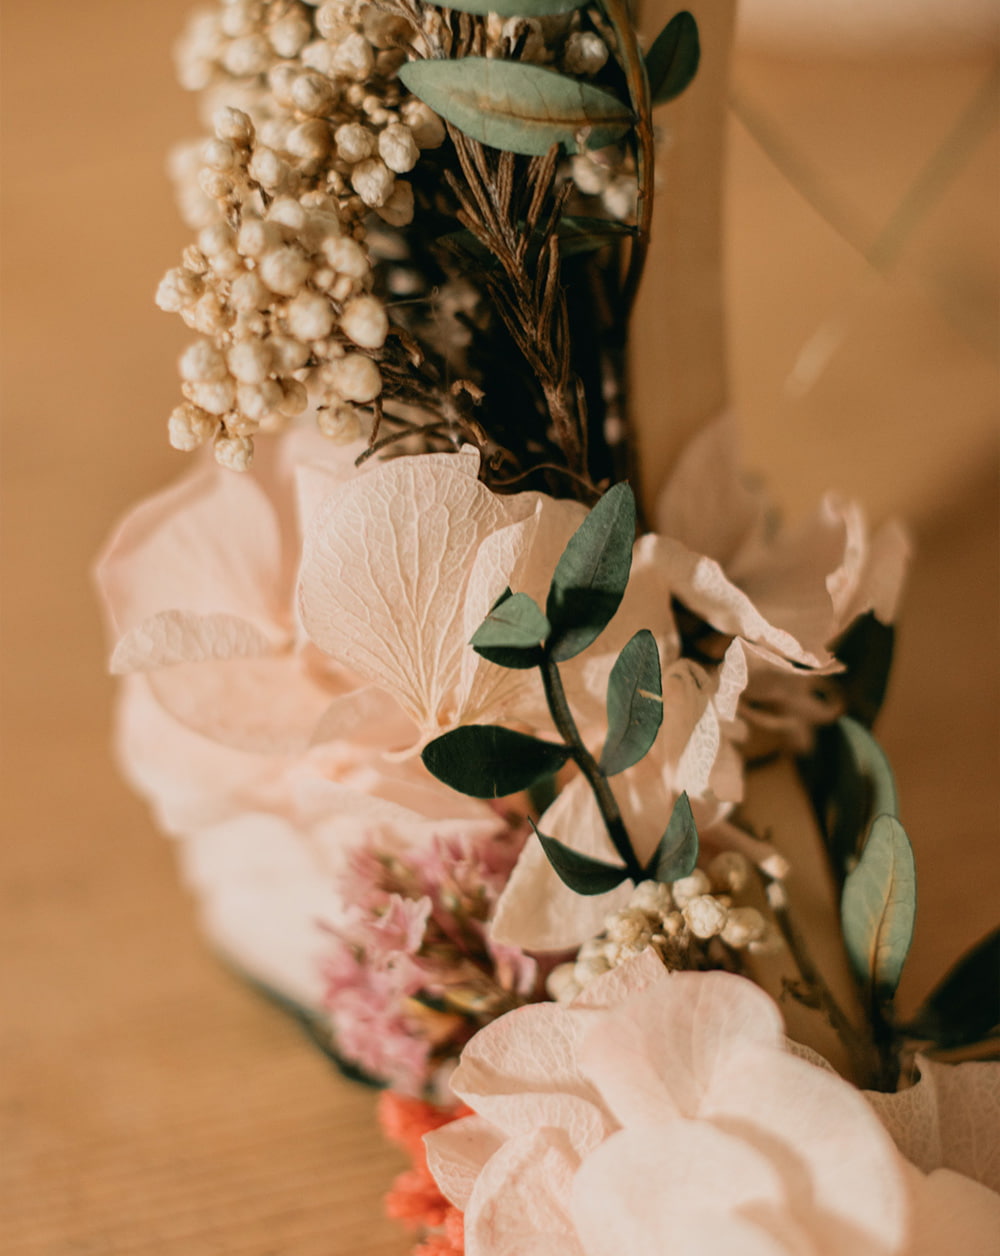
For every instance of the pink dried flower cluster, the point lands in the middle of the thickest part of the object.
(412, 972)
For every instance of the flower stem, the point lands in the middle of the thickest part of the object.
(555, 695)
(865, 1056)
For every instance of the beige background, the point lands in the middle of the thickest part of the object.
(151, 1104)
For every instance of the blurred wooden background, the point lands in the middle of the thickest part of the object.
(150, 1103)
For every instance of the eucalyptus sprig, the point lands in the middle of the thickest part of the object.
(491, 761)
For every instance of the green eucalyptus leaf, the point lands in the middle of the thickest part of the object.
(513, 633)
(672, 61)
(964, 1007)
(878, 906)
(489, 761)
(582, 874)
(516, 8)
(517, 107)
(677, 853)
(865, 648)
(849, 782)
(590, 577)
(635, 704)
(870, 759)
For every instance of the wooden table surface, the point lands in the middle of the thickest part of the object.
(150, 1103)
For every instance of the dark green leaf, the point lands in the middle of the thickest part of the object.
(582, 874)
(513, 632)
(878, 906)
(635, 704)
(489, 761)
(672, 62)
(516, 8)
(865, 649)
(677, 853)
(591, 575)
(542, 795)
(964, 1007)
(517, 107)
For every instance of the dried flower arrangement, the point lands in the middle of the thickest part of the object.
(453, 731)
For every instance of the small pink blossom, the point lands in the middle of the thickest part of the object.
(662, 1112)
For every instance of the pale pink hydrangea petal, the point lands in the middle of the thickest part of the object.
(222, 677)
(949, 1119)
(519, 1204)
(669, 1184)
(842, 1170)
(189, 780)
(171, 637)
(385, 571)
(263, 897)
(169, 553)
(260, 705)
(662, 1057)
(707, 504)
(954, 1214)
(456, 1154)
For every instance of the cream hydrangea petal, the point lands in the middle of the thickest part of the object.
(949, 1119)
(519, 1205)
(663, 1188)
(368, 717)
(520, 1073)
(879, 585)
(456, 1154)
(385, 571)
(170, 553)
(658, 1058)
(842, 1171)
(536, 911)
(707, 504)
(956, 1214)
(702, 585)
(787, 579)
(522, 556)
(614, 986)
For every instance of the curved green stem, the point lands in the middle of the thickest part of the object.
(555, 695)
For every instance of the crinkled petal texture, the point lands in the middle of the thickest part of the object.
(401, 567)
(663, 1113)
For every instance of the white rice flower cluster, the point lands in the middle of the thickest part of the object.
(313, 135)
(674, 919)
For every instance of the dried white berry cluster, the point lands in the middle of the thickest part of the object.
(675, 919)
(278, 283)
